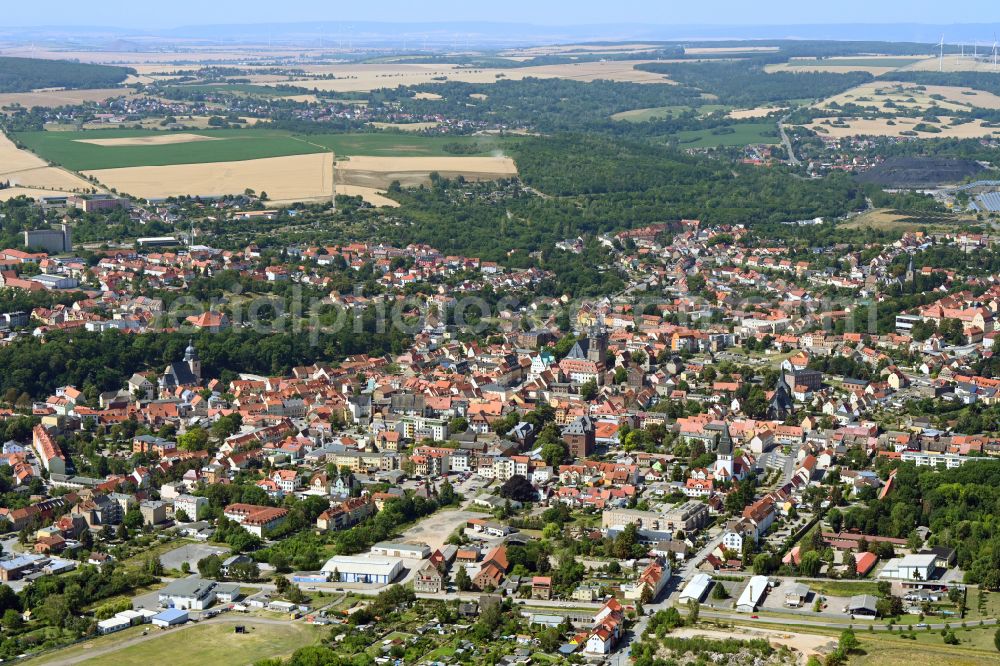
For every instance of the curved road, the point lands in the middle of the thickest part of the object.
(792, 159)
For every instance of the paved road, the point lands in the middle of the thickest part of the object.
(583, 606)
(792, 159)
(826, 623)
(790, 461)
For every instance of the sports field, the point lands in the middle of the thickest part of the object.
(114, 149)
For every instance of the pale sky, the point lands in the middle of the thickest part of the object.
(174, 13)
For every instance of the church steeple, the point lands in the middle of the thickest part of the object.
(597, 348)
(910, 275)
(781, 402)
(192, 360)
(724, 455)
(725, 446)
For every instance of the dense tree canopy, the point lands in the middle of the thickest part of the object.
(25, 74)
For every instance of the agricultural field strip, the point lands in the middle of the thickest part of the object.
(77, 150)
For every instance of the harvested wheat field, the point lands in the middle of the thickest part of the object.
(612, 70)
(303, 99)
(30, 192)
(26, 170)
(165, 139)
(881, 127)
(533, 51)
(876, 94)
(366, 77)
(873, 64)
(379, 172)
(407, 127)
(285, 179)
(134, 58)
(62, 97)
(706, 50)
(373, 196)
(759, 112)
(14, 159)
(956, 63)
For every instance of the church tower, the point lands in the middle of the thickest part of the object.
(724, 454)
(910, 275)
(597, 345)
(782, 402)
(191, 358)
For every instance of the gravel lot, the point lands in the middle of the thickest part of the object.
(190, 553)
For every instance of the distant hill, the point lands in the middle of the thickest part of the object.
(25, 74)
(915, 172)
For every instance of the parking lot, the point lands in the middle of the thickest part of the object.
(832, 607)
(435, 529)
(191, 553)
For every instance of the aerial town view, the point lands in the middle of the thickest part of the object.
(631, 334)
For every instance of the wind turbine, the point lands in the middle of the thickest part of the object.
(941, 60)
(995, 50)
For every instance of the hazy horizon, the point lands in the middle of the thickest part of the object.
(560, 13)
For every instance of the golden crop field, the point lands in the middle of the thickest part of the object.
(379, 172)
(366, 77)
(956, 63)
(298, 177)
(873, 64)
(881, 127)
(758, 112)
(61, 97)
(26, 170)
(876, 94)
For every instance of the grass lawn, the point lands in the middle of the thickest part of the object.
(439, 653)
(214, 643)
(991, 606)
(124, 597)
(157, 548)
(841, 588)
(742, 135)
(975, 647)
(642, 115)
(65, 148)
